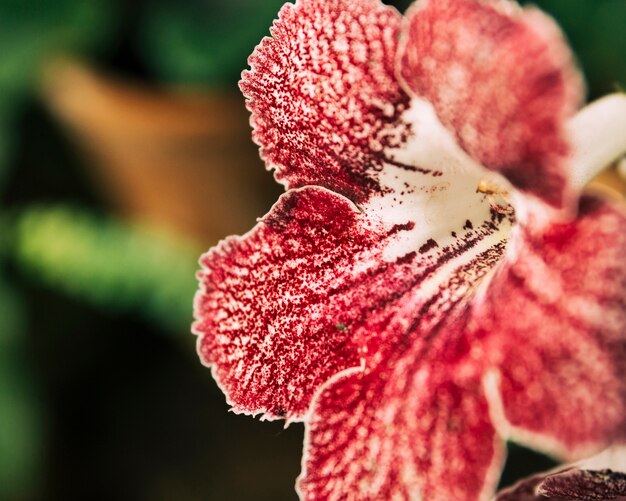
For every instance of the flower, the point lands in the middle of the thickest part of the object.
(432, 283)
(600, 478)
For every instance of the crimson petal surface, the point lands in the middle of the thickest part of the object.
(503, 80)
(324, 98)
(403, 434)
(264, 318)
(557, 311)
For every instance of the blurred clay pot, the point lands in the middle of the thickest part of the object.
(182, 160)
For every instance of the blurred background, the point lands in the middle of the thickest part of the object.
(125, 152)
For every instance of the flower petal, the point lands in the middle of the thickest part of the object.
(525, 490)
(598, 135)
(426, 348)
(557, 311)
(414, 421)
(324, 99)
(406, 432)
(320, 286)
(263, 317)
(503, 80)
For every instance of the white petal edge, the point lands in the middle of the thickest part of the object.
(613, 458)
(598, 137)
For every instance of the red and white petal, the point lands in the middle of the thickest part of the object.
(503, 80)
(273, 305)
(554, 317)
(327, 110)
(436, 210)
(524, 490)
(415, 232)
(400, 434)
(309, 291)
(414, 422)
(324, 99)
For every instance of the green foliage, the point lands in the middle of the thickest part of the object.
(20, 433)
(202, 41)
(31, 33)
(108, 263)
(6, 135)
(33, 30)
(11, 318)
(20, 429)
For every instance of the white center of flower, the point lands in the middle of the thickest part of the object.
(439, 196)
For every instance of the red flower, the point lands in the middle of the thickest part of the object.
(432, 282)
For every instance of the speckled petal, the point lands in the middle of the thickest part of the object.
(320, 286)
(557, 313)
(324, 99)
(413, 423)
(503, 80)
(265, 315)
(553, 329)
(379, 300)
(413, 430)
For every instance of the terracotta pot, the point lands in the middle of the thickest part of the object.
(178, 159)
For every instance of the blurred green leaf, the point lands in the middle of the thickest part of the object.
(108, 263)
(202, 41)
(32, 31)
(20, 427)
(20, 433)
(11, 319)
(5, 148)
